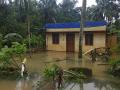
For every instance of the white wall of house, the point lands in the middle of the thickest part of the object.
(56, 47)
(99, 38)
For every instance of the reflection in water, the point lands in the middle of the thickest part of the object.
(22, 84)
(93, 85)
(37, 63)
(35, 78)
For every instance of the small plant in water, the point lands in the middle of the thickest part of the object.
(51, 72)
(57, 74)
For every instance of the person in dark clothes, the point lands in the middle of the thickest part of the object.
(93, 55)
(107, 54)
(60, 77)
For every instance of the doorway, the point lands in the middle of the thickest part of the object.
(70, 42)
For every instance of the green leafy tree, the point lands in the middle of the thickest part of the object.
(13, 56)
(94, 13)
(37, 41)
(68, 12)
(104, 10)
(48, 8)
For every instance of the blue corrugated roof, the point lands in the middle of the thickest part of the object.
(75, 24)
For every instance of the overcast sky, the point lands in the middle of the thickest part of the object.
(89, 2)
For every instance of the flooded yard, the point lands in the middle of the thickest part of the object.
(36, 65)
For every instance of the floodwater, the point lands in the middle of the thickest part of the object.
(36, 65)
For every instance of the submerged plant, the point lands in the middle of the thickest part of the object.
(51, 72)
(56, 75)
(74, 74)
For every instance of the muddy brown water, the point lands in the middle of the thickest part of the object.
(36, 65)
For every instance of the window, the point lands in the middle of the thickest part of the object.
(88, 38)
(55, 38)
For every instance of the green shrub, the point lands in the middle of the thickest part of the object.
(35, 41)
(18, 48)
(12, 55)
(51, 72)
(115, 67)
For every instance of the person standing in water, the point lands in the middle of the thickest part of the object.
(60, 77)
(93, 55)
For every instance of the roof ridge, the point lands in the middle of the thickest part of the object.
(75, 24)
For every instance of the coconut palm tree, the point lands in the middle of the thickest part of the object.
(49, 10)
(24, 7)
(104, 10)
(108, 8)
(94, 13)
(82, 24)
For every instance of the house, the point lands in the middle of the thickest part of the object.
(65, 36)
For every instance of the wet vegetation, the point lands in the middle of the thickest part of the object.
(83, 71)
(108, 56)
(115, 67)
(9, 73)
(36, 41)
(11, 59)
(41, 82)
(115, 61)
(15, 17)
(58, 75)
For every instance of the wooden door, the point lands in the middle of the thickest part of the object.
(70, 42)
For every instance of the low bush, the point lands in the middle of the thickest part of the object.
(115, 67)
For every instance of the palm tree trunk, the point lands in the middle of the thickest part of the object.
(28, 26)
(29, 35)
(82, 28)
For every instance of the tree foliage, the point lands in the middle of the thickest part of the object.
(14, 14)
(12, 56)
(104, 10)
(36, 41)
(68, 12)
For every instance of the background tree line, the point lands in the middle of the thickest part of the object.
(13, 13)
